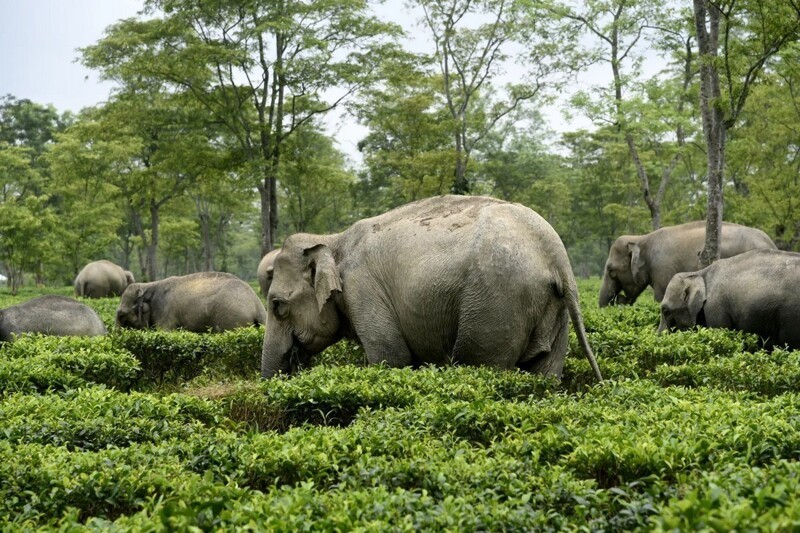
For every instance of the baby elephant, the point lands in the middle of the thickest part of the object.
(51, 315)
(99, 279)
(755, 292)
(200, 302)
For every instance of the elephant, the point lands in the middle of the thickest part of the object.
(264, 271)
(199, 302)
(467, 280)
(99, 279)
(51, 315)
(636, 261)
(754, 292)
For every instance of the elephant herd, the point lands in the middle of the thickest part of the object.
(451, 279)
(754, 287)
(200, 302)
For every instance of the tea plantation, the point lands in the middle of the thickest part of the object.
(157, 431)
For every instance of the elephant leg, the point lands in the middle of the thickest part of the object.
(386, 350)
(543, 356)
(491, 338)
(383, 342)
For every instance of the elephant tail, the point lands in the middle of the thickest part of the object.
(80, 287)
(570, 291)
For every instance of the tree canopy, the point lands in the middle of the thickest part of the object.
(216, 142)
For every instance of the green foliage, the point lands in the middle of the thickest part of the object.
(175, 356)
(691, 430)
(95, 418)
(762, 158)
(39, 363)
(335, 395)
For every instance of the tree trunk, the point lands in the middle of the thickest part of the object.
(208, 245)
(265, 190)
(713, 123)
(152, 249)
(460, 185)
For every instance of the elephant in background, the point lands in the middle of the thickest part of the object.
(756, 292)
(451, 279)
(50, 315)
(99, 279)
(638, 261)
(200, 302)
(264, 271)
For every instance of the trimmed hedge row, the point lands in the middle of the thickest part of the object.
(334, 395)
(701, 430)
(97, 418)
(621, 456)
(178, 356)
(39, 363)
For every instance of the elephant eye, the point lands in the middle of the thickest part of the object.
(280, 308)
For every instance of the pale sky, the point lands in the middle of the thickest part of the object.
(38, 49)
(38, 55)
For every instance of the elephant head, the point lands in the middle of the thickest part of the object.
(134, 307)
(625, 271)
(302, 316)
(683, 302)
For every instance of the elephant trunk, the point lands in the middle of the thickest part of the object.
(276, 354)
(662, 326)
(608, 292)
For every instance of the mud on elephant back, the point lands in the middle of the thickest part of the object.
(450, 279)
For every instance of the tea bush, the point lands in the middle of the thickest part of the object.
(178, 356)
(38, 363)
(170, 430)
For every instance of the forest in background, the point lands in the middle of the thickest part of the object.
(213, 146)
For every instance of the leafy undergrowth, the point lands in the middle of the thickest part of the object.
(153, 430)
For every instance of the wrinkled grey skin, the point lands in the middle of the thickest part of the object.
(99, 279)
(638, 261)
(756, 292)
(450, 279)
(264, 271)
(200, 302)
(51, 315)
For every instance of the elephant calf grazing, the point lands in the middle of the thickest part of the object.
(205, 301)
(636, 261)
(99, 279)
(756, 292)
(51, 315)
(450, 279)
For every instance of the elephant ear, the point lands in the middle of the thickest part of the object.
(142, 307)
(637, 263)
(324, 273)
(694, 294)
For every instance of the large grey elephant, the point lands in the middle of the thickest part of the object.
(200, 302)
(99, 279)
(51, 315)
(449, 279)
(756, 291)
(264, 271)
(638, 261)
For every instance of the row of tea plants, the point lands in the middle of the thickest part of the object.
(150, 430)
